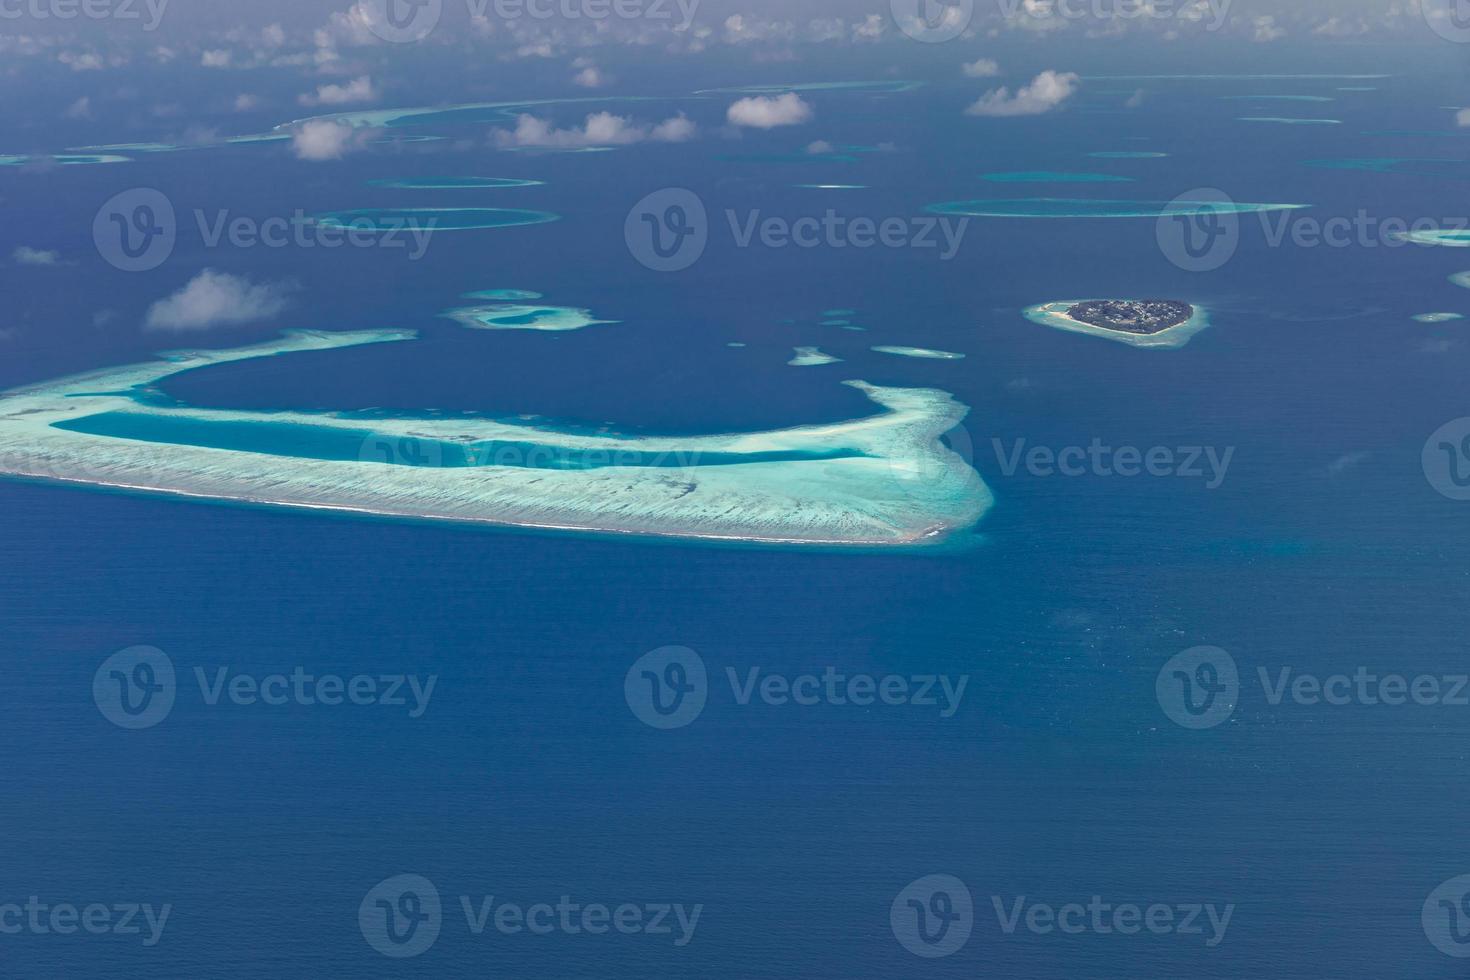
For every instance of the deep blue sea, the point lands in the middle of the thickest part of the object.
(528, 777)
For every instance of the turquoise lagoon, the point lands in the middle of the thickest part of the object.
(1053, 177)
(1058, 207)
(886, 479)
(453, 183)
(433, 219)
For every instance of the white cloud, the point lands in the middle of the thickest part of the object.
(1046, 91)
(1462, 118)
(1346, 462)
(354, 27)
(25, 255)
(1337, 27)
(1266, 29)
(870, 29)
(86, 61)
(590, 77)
(218, 58)
(819, 147)
(246, 102)
(1136, 99)
(741, 30)
(760, 112)
(675, 129)
(80, 109)
(600, 129)
(217, 299)
(360, 89)
(981, 68)
(322, 139)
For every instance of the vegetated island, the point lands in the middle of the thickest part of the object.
(1138, 316)
(1154, 323)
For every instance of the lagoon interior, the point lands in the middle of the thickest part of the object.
(1324, 549)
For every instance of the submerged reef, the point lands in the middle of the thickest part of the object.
(1447, 237)
(432, 219)
(518, 313)
(453, 183)
(1052, 177)
(921, 352)
(887, 479)
(812, 357)
(1057, 207)
(65, 159)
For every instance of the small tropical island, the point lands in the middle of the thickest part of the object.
(1143, 316)
(1155, 323)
